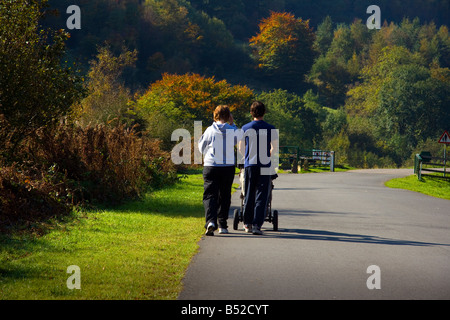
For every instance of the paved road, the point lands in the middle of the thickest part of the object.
(332, 227)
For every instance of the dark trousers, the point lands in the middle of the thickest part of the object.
(257, 188)
(217, 194)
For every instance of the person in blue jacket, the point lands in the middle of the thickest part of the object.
(261, 142)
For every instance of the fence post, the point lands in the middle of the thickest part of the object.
(420, 170)
(332, 161)
(294, 166)
(445, 158)
(415, 164)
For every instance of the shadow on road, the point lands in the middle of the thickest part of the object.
(323, 235)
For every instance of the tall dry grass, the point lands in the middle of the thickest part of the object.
(69, 165)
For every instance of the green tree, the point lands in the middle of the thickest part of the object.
(231, 12)
(324, 35)
(338, 67)
(331, 76)
(107, 97)
(343, 44)
(35, 89)
(363, 98)
(362, 37)
(299, 124)
(400, 102)
(435, 44)
(407, 34)
(412, 107)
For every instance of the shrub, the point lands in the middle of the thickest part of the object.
(109, 164)
(69, 165)
(27, 196)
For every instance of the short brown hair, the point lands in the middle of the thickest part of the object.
(222, 112)
(258, 109)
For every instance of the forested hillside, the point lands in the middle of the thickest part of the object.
(329, 79)
(210, 37)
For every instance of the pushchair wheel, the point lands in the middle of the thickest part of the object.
(275, 220)
(236, 219)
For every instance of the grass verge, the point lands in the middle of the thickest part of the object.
(313, 169)
(432, 186)
(138, 251)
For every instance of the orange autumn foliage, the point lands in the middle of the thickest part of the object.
(284, 44)
(192, 96)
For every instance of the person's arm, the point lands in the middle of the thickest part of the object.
(241, 150)
(274, 143)
(274, 153)
(204, 141)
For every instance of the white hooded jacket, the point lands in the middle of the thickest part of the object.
(217, 144)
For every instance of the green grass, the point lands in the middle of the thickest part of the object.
(432, 186)
(138, 251)
(326, 169)
(313, 169)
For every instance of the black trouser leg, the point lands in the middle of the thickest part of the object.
(226, 181)
(257, 188)
(249, 200)
(261, 199)
(217, 194)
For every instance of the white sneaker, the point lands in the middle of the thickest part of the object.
(248, 228)
(223, 230)
(210, 229)
(256, 230)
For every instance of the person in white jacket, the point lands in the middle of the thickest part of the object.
(217, 146)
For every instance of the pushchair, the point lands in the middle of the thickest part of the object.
(238, 214)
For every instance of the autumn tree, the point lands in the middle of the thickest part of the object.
(283, 48)
(176, 101)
